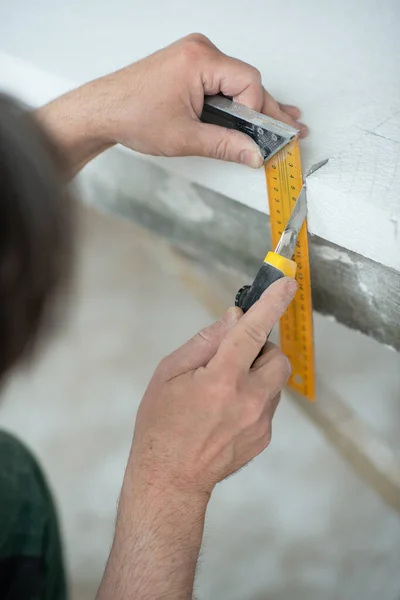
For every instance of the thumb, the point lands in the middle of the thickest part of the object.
(200, 349)
(214, 141)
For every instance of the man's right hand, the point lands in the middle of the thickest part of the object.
(206, 413)
(209, 406)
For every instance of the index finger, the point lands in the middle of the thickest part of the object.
(243, 343)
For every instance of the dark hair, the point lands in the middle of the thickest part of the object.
(35, 230)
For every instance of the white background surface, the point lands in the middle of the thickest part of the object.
(339, 61)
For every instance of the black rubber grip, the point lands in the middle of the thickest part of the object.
(248, 295)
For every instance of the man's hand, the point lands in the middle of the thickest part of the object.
(156, 103)
(209, 407)
(206, 413)
(153, 106)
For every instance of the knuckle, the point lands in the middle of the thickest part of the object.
(225, 144)
(208, 334)
(253, 414)
(221, 151)
(256, 75)
(194, 46)
(164, 365)
(204, 335)
(197, 37)
(174, 142)
(256, 333)
(223, 388)
(253, 409)
(222, 382)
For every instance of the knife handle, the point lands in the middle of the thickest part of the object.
(273, 268)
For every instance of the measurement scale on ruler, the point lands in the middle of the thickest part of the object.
(284, 183)
(287, 201)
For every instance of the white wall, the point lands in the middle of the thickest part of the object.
(339, 61)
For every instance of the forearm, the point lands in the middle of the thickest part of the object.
(77, 124)
(156, 545)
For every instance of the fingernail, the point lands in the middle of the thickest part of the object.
(232, 316)
(251, 158)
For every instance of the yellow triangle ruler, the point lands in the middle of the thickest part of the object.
(280, 147)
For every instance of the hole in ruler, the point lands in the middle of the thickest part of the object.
(298, 379)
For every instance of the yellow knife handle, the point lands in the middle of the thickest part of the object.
(273, 268)
(287, 266)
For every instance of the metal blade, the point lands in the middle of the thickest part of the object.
(287, 242)
(316, 166)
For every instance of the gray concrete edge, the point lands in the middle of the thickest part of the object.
(356, 291)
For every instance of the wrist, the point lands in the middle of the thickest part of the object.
(160, 494)
(156, 544)
(156, 473)
(77, 125)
